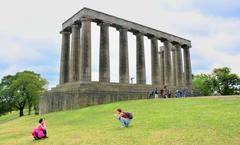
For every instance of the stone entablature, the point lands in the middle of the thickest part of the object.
(97, 16)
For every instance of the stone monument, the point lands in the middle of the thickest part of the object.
(76, 89)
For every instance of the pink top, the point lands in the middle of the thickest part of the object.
(41, 126)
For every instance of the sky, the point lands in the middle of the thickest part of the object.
(30, 39)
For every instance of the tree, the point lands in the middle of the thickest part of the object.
(221, 81)
(6, 99)
(224, 82)
(24, 89)
(202, 83)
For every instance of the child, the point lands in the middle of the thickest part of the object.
(124, 118)
(40, 131)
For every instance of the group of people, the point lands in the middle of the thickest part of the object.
(40, 132)
(180, 93)
(162, 93)
(167, 93)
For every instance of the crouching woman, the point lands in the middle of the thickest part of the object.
(40, 131)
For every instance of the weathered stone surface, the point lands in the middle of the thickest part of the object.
(77, 95)
(174, 73)
(74, 58)
(85, 50)
(167, 63)
(187, 67)
(141, 72)
(162, 65)
(115, 21)
(104, 69)
(179, 66)
(64, 62)
(155, 61)
(123, 56)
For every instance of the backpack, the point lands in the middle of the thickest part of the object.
(129, 115)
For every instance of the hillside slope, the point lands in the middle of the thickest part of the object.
(214, 120)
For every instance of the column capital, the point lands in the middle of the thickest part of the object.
(138, 32)
(121, 28)
(75, 26)
(151, 36)
(104, 23)
(64, 32)
(85, 19)
(184, 46)
(175, 43)
(163, 39)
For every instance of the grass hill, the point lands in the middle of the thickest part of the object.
(186, 121)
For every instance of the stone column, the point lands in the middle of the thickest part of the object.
(141, 74)
(85, 50)
(179, 66)
(74, 58)
(123, 56)
(64, 63)
(167, 63)
(174, 65)
(104, 65)
(187, 67)
(162, 65)
(155, 61)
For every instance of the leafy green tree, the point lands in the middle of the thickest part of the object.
(221, 81)
(224, 82)
(6, 99)
(202, 83)
(24, 89)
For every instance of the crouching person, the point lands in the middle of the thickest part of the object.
(40, 131)
(124, 118)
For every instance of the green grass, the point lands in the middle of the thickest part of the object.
(186, 121)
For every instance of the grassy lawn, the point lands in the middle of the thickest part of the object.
(185, 121)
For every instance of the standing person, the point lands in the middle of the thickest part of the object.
(169, 94)
(161, 93)
(181, 93)
(124, 117)
(166, 92)
(177, 93)
(156, 93)
(184, 92)
(151, 94)
(40, 131)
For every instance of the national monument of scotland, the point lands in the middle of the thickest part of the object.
(76, 89)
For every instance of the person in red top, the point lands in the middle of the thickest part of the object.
(124, 118)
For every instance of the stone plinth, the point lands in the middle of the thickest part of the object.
(77, 95)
